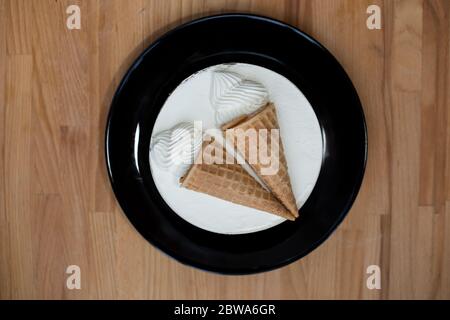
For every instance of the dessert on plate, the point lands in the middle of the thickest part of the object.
(239, 104)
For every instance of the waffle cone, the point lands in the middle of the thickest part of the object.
(278, 183)
(232, 183)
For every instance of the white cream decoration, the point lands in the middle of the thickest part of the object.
(232, 96)
(174, 149)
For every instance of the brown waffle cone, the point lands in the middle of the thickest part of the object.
(232, 183)
(279, 184)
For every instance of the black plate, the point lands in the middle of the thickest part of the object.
(248, 39)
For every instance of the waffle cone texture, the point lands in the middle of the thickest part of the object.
(279, 183)
(232, 183)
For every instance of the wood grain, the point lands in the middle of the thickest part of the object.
(57, 207)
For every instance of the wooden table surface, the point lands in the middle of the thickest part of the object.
(57, 207)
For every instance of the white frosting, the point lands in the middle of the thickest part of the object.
(232, 95)
(174, 149)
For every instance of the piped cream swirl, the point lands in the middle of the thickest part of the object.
(233, 96)
(174, 149)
